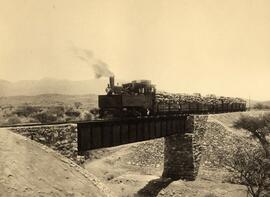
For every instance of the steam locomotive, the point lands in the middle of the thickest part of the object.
(140, 98)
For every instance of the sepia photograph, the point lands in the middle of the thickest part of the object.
(134, 98)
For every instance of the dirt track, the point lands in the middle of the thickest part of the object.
(30, 169)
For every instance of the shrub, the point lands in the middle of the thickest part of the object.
(251, 168)
(253, 165)
(26, 110)
(58, 110)
(77, 104)
(72, 113)
(210, 195)
(95, 113)
(45, 117)
(258, 127)
(13, 120)
(88, 116)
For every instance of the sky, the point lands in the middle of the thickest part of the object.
(206, 46)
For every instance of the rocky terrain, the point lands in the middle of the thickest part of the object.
(61, 138)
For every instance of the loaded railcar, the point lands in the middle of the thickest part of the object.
(140, 98)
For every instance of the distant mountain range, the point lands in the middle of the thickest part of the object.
(52, 86)
(266, 103)
(60, 86)
(254, 102)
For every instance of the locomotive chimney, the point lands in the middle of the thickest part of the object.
(112, 81)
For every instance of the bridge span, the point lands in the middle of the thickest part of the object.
(182, 155)
(114, 132)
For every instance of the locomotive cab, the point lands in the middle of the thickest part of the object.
(130, 99)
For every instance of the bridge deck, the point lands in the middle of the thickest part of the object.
(108, 133)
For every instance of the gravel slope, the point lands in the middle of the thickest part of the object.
(30, 169)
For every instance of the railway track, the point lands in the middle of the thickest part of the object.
(112, 119)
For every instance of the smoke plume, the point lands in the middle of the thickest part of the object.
(100, 68)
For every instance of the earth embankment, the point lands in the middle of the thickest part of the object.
(28, 168)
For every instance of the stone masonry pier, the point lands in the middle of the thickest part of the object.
(182, 152)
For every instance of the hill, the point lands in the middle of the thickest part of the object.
(52, 86)
(89, 100)
(266, 103)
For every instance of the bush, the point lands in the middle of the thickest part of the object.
(210, 195)
(13, 120)
(58, 111)
(72, 113)
(253, 165)
(251, 168)
(88, 116)
(95, 113)
(258, 127)
(45, 117)
(26, 110)
(77, 104)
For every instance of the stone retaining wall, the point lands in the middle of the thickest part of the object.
(61, 138)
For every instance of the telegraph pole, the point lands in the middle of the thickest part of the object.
(249, 103)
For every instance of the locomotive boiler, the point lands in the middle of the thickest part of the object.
(140, 98)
